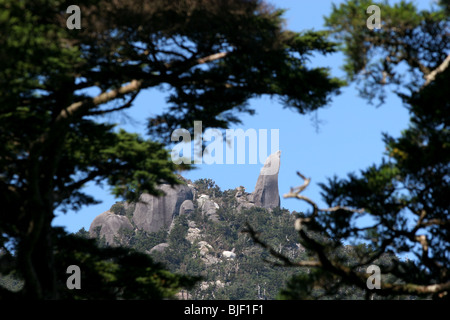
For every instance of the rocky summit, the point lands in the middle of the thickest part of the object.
(153, 213)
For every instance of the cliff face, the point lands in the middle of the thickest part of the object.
(151, 213)
(154, 213)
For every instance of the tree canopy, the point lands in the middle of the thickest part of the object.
(403, 200)
(58, 84)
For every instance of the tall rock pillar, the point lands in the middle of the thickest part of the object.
(266, 193)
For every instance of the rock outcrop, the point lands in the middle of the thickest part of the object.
(187, 207)
(266, 194)
(244, 200)
(193, 234)
(229, 254)
(209, 209)
(154, 213)
(206, 255)
(159, 247)
(107, 225)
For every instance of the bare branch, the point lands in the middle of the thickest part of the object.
(122, 107)
(432, 75)
(212, 57)
(336, 208)
(435, 222)
(415, 289)
(295, 193)
(100, 99)
(184, 47)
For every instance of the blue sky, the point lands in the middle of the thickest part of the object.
(349, 138)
